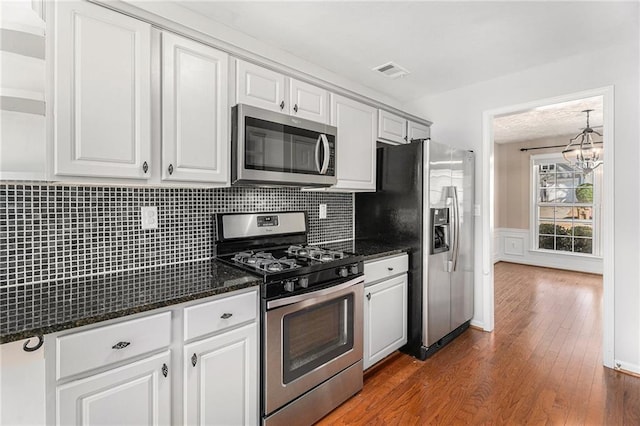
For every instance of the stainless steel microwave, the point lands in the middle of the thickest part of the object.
(269, 148)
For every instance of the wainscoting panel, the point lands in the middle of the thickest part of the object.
(514, 245)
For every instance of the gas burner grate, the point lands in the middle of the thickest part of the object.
(264, 261)
(315, 253)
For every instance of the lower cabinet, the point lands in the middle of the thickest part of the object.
(221, 379)
(138, 393)
(385, 308)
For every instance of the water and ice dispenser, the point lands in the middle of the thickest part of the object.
(440, 235)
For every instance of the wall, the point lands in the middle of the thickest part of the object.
(512, 179)
(51, 234)
(458, 117)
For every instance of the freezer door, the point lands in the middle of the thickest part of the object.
(462, 275)
(436, 291)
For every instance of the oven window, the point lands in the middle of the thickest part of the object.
(315, 335)
(281, 148)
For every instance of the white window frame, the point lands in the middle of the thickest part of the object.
(534, 219)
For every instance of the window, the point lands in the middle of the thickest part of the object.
(566, 207)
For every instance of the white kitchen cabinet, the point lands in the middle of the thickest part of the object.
(195, 113)
(396, 129)
(417, 131)
(260, 87)
(138, 393)
(308, 101)
(355, 144)
(22, 384)
(392, 127)
(385, 308)
(221, 378)
(102, 93)
(263, 88)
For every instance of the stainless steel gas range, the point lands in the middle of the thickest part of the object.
(311, 338)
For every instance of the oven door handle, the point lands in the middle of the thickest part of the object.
(311, 295)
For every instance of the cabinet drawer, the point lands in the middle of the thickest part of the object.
(385, 268)
(99, 347)
(219, 314)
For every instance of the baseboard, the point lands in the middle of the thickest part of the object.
(627, 368)
(478, 325)
(512, 245)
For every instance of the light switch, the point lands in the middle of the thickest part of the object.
(476, 209)
(322, 213)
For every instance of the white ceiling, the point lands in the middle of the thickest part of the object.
(560, 119)
(444, 45)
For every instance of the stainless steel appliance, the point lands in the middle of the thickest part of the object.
(312, 315)
(424, 200)
(270, 148)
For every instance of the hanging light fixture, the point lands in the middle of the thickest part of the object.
(583, 155)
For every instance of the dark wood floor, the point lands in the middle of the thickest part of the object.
(541, 365)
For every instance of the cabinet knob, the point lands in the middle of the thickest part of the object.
(282, 105)
(368, 296)
(145, 167)
(406, 139)
(170, 169)
(295, 107)
(194, 359)
(165, 370)
(226, 316)
(120, 345)
(390, 268)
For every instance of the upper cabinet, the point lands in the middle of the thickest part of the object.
(308, 101)
(271, 90)
(417, 131)
(396, 129)
(355, 144)
(392, 127)
(102, 93)
(195, 112)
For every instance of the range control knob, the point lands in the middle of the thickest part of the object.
(353, 269)
(343, 272)
(289, 286)
(304, 282)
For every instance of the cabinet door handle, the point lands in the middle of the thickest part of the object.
(145, 167)
(368, 296)
(226, 316)
(194, 359)
(120, 345)
(37, 346)
(165, 370)
(295, 107)
(170, 169)
(282, 105)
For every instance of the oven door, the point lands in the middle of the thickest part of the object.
(310, 338)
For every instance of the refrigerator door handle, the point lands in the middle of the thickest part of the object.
(456, 226)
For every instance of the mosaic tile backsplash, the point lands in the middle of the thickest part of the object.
(51, 233)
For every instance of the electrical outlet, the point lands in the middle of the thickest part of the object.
(149, 217)
(476, 210)
(322, 213)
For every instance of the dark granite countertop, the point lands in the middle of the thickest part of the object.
(371, 249)
(376, 249)
(59, 305)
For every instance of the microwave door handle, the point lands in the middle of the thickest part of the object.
(318, 167)
(327, 154)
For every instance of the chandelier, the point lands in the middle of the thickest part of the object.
(583, 154)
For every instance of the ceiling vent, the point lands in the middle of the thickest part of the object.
(391, 70)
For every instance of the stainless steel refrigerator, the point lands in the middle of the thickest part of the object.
(424, 201)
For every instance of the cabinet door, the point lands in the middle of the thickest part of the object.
(102, 92)
(135, 394)
(417, 131)
(355, 144)
(392, 127)
(195, 113)
(308, 101)
(221, 379)
(385, 318)
(260, 87)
